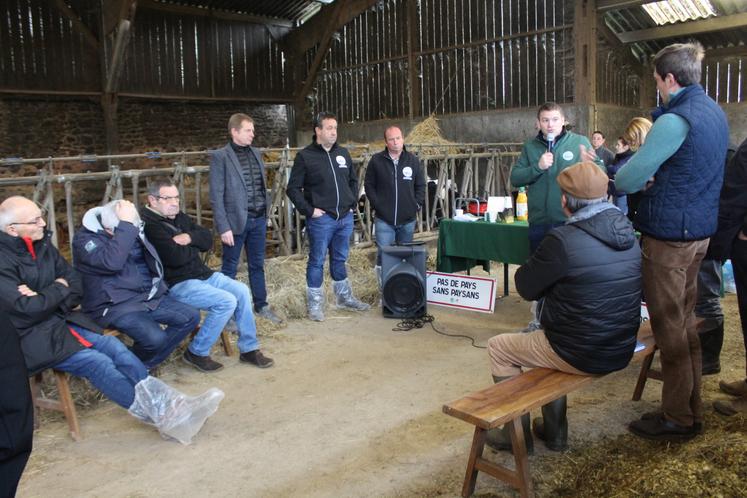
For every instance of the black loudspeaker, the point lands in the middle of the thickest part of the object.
(403, 291)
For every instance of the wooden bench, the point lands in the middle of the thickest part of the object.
(65, 404)
(507, 401)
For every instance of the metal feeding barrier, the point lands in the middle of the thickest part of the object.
(462, 170)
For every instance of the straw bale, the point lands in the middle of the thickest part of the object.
(428, 132)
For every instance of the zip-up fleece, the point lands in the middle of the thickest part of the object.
(396, 193)
(324, 180)
(543, 192)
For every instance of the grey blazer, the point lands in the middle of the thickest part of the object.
(228, 192)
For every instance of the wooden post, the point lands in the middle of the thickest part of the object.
(585, 36)
(413, 80)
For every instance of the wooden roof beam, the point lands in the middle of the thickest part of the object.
(620, 48)
(311, 32)
(605, 5)
(326, 40)
(78, 25)
(685, 28)
(214, 13)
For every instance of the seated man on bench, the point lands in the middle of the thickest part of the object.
(587, 275)
(39, 290)
(179, 242)
(124, 284)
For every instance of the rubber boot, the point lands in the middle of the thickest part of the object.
(710, 348)
(173, 413)
(552, 428)
(345, 298)
(315, 303)
(500, 439)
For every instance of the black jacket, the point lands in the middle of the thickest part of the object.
(16, 410)
(324, 180)
(732, 210)
(41, 320)
(396, 196)
(589, 273)
(179, 262)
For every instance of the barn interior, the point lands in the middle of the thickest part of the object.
(98, 97)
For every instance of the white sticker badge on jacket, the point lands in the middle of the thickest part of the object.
(407, 173)
(568, 155)
(341, 161)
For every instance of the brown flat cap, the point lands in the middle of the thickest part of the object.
(584, 181)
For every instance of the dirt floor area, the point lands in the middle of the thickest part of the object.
(351, 408)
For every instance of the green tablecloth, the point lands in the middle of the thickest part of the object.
(464, 244)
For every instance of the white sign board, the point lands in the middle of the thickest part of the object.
(461, 291)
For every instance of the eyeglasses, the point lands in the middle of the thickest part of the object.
(168, 197)
(36, 221)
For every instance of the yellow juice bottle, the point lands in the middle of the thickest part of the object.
(522, 210)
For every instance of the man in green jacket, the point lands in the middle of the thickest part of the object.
(542, 159)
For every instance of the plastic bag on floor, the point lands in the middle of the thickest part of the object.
(729, 285)
(174, 414)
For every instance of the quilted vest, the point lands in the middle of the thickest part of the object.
(682, 204)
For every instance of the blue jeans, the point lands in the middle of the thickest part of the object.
(222, 297)
(708, 304)
(537, 232)
(387, 235)
(108, 365)
(328, 234)
(252, 239)
(152, 343)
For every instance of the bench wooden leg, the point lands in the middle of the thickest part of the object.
(64, 404)
(225, 339)
(35, 385)
(67, 404)
(478, 444)
(644, 374)
(519, 478)
(523, 476)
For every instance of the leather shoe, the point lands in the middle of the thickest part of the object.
(730, 408)
(201, 363)
(698, 426)
(659, 428)
(736, 388)
(256, 358)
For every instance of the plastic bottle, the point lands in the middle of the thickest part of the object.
(522, 210)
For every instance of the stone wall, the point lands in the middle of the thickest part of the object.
(43, 127)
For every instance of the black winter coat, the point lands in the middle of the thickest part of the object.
(396, 196)
(179, 262)
(41, 320)
(324, 180)
(589, 273)
(732, 211)
(16, 410)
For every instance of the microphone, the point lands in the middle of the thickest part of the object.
(550, 140)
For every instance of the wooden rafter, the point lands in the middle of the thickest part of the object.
(307, 36)
(78, 25)
(214, 13)
(685, 28)
(321, 52)
(605, 5)
(619, 48)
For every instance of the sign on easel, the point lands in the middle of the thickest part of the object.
(461, 291)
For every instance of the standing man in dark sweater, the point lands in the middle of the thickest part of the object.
(238, 196)
(395, 185)
(324, 186)
(680, 169)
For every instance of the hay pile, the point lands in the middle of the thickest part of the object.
(712, 464)
(429, 133)
(286, 283)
